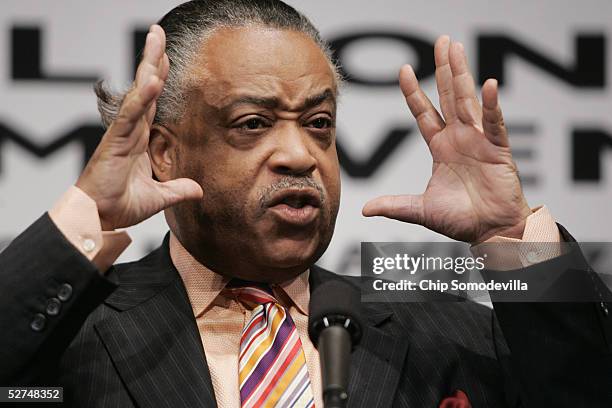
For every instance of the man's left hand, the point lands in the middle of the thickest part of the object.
(474, 191)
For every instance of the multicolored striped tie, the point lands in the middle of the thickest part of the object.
(272, 366)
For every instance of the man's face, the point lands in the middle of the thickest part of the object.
(259, 137)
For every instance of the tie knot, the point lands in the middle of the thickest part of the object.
(252, 295)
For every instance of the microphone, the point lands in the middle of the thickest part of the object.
(334, 327)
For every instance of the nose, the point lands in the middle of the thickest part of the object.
(292, 153)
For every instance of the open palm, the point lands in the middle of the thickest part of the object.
(119, 175)
(474, 191)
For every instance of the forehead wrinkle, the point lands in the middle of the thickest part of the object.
(265, 102)
(216, 86)
(273, 102)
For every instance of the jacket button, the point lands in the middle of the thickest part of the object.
(39, 322)
(604, 308)
(53, 307)
(64, 292)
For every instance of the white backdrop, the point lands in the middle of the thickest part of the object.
(87, 38)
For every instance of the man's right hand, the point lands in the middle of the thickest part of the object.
(118, 176)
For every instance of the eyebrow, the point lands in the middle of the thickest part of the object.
(273, 102)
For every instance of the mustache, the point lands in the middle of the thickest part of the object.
(286, 182)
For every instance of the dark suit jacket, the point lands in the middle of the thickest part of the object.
(130, 339)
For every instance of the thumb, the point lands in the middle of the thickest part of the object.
(406, 208)
(179, 190)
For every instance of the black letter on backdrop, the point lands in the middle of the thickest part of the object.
(26, 61)
(587, 71)
(88, 136)
(366, 168)
(423, 49)
(587, 149)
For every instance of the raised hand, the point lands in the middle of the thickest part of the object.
(474, 191)
(119, 176)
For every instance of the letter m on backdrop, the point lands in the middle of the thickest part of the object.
(87, 135)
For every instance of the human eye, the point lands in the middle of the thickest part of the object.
(252, 123)
(320, 123)
(322, 127)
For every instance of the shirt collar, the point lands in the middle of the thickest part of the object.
(204, 285)
(298, 291)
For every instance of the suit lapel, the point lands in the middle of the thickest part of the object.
(154, 341)
(377, 362)
(376, 366)
(156, 347)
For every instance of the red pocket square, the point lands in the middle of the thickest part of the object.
(457, 400)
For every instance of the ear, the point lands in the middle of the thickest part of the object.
(162, 152)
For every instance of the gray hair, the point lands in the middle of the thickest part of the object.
(187, 26)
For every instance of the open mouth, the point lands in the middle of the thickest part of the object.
(296, 206)
(296, 198)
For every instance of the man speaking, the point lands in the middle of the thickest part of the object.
(229, 128)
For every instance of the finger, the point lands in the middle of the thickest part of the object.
(179, 190)
(151, 113)
(148, 86)
(444, 79)
(428, 119)
(492, 117)
(152, 62)
(164, 64)
(466, 103)
(406, 208)
(156, 28)
(136, 103)
(164, 67)
(151, 57)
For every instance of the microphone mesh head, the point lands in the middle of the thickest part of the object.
(335, 301)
